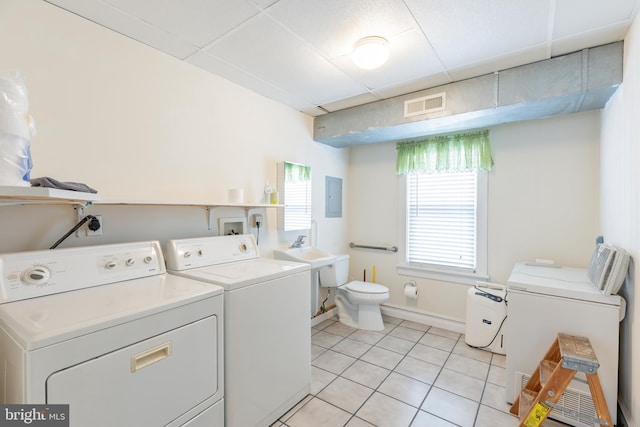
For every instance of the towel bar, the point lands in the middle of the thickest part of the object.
(380, 248)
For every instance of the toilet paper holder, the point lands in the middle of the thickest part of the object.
(411, 290)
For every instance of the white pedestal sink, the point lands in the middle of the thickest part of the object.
(316, 258)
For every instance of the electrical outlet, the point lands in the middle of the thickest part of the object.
(91, 222)
(257, 218)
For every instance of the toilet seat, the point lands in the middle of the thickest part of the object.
(365, 287)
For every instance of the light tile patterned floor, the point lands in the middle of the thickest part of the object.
(407, 375)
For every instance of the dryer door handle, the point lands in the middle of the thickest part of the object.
(151, 356)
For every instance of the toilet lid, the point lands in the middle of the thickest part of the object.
(366, 287)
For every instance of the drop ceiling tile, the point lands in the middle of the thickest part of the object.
(250, 82)
(128, 25)
(410, 87)
(467, 31)
(263, 4)
(410, 58)
(333, 26)
(603, 35)
(196, 21)
(266, 51)
(499, 63)
(574, 16)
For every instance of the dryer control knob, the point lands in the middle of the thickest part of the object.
(130, 262)
(110, 265)
(37, 275)
(187, 254)
(148, 259)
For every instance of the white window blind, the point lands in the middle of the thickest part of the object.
(441, 219)
(298, 206)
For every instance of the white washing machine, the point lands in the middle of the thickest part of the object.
(267, 323)
(105, 330)
(545, 300)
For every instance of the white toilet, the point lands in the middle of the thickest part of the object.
(358, 302)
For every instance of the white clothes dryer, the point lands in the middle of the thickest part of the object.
(105, 330)
(267, 323)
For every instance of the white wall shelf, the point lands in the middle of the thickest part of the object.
(13, 195)
(29, 195)
(180, 203)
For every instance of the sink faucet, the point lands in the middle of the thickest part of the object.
(299, 242)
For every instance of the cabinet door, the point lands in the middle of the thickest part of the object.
(146, 384)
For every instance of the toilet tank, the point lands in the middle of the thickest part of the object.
(335, 274)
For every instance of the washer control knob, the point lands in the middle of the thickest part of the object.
(187, 254)
(36, 275)
(148, 259)
(199, 252)
(243, 247)
(110, 265)
(130, 262)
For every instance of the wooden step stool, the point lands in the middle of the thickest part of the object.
(569, 354)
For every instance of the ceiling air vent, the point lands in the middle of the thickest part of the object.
(425, 104)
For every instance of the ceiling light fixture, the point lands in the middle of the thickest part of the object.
(370, 52)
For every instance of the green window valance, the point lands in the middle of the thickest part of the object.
(452, 153)
(294, 172)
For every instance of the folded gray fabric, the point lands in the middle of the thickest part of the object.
(54, 183)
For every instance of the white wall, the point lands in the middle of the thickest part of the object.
(137, 124)
(620, 209)
(543, 203)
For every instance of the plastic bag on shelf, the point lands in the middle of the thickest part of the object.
(17, 127)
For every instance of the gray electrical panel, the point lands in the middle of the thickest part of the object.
(333, 197)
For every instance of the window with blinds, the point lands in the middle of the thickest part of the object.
(442, 219)
(298, 205)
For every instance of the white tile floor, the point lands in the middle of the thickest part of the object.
(407, 375)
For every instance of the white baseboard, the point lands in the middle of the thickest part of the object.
(405, 313)
(426, 318)
(324, 316)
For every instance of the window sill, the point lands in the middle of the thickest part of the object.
(444, 275)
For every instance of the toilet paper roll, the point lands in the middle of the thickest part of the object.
(236, 195)
(410, 291)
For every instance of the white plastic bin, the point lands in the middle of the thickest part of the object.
(486, 319)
